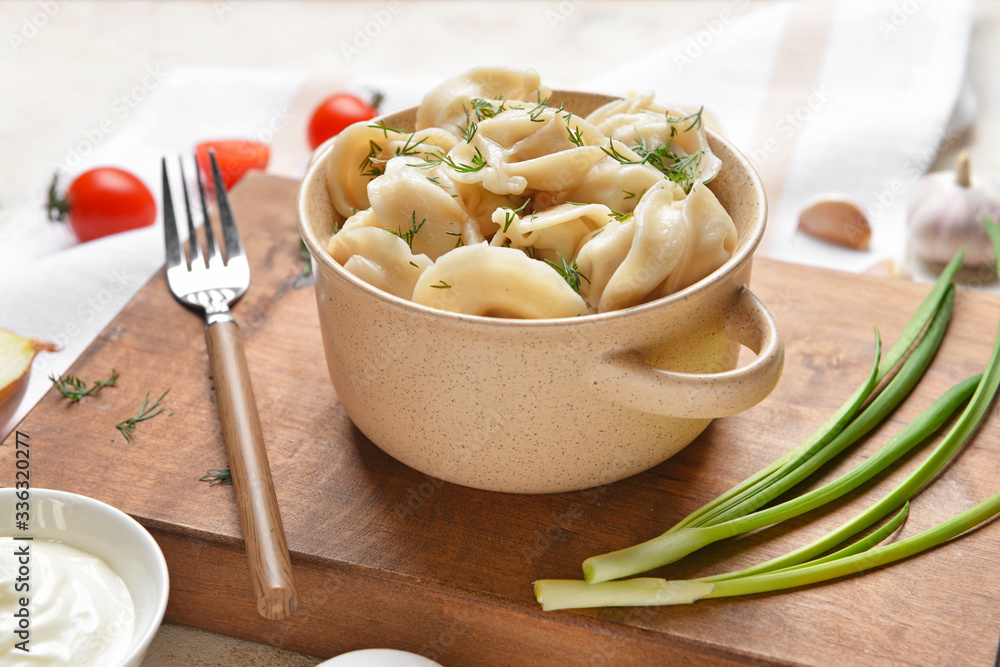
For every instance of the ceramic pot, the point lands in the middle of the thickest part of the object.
(544, 406)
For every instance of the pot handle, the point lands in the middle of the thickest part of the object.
(624, 377)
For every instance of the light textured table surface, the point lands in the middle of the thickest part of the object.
(69, 71)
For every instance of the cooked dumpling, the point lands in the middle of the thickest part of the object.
(600, 256)
(481, 204)
(617, 186)
(449, 104)
(360, 153)
(380, 258)
(551, 235)
(660, 240)
(496, 282)
(712, 243)
(678, 135)
(673, 242)
(416, 200)
(524, 148)
(360, 219)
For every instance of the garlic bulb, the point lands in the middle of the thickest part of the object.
(946, 213)
(16, 355)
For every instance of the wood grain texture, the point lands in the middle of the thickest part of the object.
(386, 556)
(260, 519)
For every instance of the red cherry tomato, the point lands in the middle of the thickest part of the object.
(337, 112)
(103, 201)
(235, 158)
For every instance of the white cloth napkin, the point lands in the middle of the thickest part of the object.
(853, 97)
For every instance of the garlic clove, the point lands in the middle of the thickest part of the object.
(16, 355)
(836, 220)
(946, 213)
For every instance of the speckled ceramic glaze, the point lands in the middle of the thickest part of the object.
(543, 406)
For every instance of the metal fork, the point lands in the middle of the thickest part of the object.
(212, 286)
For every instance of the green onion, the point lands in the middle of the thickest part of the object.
(739, 517)
(819, 437)
(790, 571)
(671, 546)
(573, 594)
(644, 591)
(864, 544)
(718, 508)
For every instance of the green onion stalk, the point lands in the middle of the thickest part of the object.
(739, 515)
(802, 567)
(721, 508)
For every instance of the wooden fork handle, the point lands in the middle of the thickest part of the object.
(263, 533)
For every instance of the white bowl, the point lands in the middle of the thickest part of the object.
(108, 533)
(379, 657)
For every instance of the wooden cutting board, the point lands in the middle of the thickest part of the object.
(386, 556)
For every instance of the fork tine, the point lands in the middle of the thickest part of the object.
(195, 250)
(171, 242)
(234, 247)
(211, 249)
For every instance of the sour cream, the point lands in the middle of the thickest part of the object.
(80, 612)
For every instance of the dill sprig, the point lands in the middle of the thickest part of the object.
(695, 119)
(469, 131)
(223, 476)
(535, 114)
(486, 109)
(74, 388)
(411, 232)
(575, 135)
(410, 148)
(429, 160)
(147, 411)
(510, 213)
(372, 165)
(368, 166)
(460, 242)
(680, 169)
(569, 272)
(441, 285)
(478, 162)
(385, 129)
